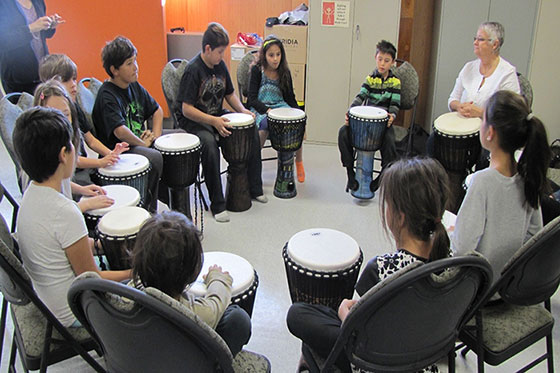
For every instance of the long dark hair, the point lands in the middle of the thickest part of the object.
(508, 113)
(416, 188)
(284, 75)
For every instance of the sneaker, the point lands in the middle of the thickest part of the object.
(352, 184)
(262, 198)
(222, 217)
(375, 184)
(300, 172)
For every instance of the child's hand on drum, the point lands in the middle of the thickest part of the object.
(390, 120)
(148, 137)
(345, 307)
(108, 160)
(92, 190)
(215, 267)
(245, 111)
(221, 125)
(120, 148)
(98, 202)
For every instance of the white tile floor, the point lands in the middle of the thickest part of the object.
(259, 235)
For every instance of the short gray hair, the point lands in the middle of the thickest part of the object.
(495, 31)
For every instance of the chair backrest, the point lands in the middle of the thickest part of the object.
(12, 273)
(410, 84)
(244, 72)
(11, 106)
(410, 320)
(526, 89)
(148, 334)
(532, 275)
(170, 82)
(85, 96)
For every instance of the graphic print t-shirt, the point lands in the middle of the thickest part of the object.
(204, 88)
(116, 107)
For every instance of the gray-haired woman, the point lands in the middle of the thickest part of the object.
(481, 78)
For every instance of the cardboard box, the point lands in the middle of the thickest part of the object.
(298, 80)
(237, 53)
(294, 39)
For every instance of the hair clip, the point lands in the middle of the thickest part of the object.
(529, 116)
(269, 41)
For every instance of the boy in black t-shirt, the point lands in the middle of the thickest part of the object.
(121, 108)
(204, 85)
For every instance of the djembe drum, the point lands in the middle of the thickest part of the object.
(131, 169)
(245, 278)
(181, 159)
(287, 127)
(322, 266)
(117, 232)
(236, 149)
(367, 125)
(123, 195)
(456, 142)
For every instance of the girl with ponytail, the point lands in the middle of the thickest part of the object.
(413, 199)
(502, 208)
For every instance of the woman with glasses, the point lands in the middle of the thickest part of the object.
(481, 78)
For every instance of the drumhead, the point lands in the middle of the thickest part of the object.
(239, 268)
(176, 142)
(286, 113)
(456, 125)
(125, 221)
(368, 112)
(239, 119)
(128, 164)
(322, 249)
(123, 195)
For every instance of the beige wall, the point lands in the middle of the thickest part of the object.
(544, 73)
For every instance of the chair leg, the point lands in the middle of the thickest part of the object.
(46, 348)
(3, 320)
(550, 353)
(480, 342)
(12, 364)
(451, 361)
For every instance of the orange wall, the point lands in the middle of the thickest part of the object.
(89, 24)
(235, 15)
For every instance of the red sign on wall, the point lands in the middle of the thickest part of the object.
(328, 13)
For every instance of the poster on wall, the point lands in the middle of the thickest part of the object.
(335, 13)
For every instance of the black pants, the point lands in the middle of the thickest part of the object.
(318, 327)
(210, 159)
(235, 328)
(388, 147)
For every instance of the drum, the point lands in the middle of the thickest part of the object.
(367, 125)
(456, 142)
(322, 266)
(131, 169)
(236, 149)
(123, 195)
(181, 160)
(245, 279)
(287, 127)
(117, 232)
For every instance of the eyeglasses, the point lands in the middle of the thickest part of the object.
(480, 40)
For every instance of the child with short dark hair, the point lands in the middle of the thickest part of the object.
(61, 67)
(382, 89)
(204, 85)
(168, 256)
(51, 230)
(122, 106)
(414, 193)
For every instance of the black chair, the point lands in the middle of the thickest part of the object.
(504, 327)
(526, 89)
(170, 82)
(11, 106)
(410, 320)
(39, 337)
(410, 86)
(151, 332)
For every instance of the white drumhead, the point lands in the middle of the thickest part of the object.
(323, 249)
(286, 113)
(239, 119)
(239, 268)
(454, 124)
(128, 164)
(125, 221)
(123, 195)
(176, 142)
(368, 112)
